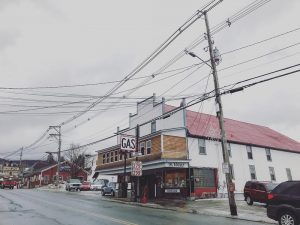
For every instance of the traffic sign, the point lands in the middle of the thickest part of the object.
(136, 168)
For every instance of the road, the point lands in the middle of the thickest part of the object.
(34, 207)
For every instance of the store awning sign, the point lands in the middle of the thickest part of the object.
(127, 143)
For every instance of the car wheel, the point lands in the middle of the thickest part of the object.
(249, 200)
(112, 193)
(287, 218)
(102, 193)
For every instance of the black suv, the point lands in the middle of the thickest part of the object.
(257, 191)
(284, 203)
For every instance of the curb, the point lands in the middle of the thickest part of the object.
(174, 209)
(191, 211)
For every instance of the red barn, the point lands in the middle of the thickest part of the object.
(47, 175)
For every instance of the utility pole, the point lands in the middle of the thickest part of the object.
(137, 134)
(21, 167)
(57, 136)
(124, 183)
(21, 154)
(230, 191)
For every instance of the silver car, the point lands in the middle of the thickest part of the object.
(110, 188)
(73, 184)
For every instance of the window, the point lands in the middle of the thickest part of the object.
(116, 156)
(249, 152)
(111, 156)
(153, 126)
(201, 145)
(261, 187)
(142, 148)
(231, 171)
(268, 154)
(104, 159)
(272, 173)
(121, 156)
(229, 149)
(46, 179)
(175, 179)
(107, 158)
(148, 146)
(289, 174)
(252, 172)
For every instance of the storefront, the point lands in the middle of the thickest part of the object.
(160, 179)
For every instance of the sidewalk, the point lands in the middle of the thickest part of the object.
(212, 207)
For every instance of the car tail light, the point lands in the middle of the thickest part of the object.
(270, 196)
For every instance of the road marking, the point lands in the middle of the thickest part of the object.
(81, 211)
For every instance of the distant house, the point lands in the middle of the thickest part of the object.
(44, 173)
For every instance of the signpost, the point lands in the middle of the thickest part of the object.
(127, 144)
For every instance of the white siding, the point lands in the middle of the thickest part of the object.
(280, 161)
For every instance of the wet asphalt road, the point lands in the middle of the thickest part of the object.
(33, 207)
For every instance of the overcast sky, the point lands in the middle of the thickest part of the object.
(72, 42)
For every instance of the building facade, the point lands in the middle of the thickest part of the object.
(45, 175)
(182, 156)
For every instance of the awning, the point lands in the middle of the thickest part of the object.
(158, 164)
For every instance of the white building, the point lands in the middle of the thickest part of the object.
(186, 145)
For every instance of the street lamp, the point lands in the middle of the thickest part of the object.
(215, 57)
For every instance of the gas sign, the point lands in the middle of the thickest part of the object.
(128, 143)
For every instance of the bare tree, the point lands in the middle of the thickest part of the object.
(75, 155)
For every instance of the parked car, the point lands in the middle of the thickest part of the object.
(284, 203)
(257, 191)
(6, 183)
(85, 186)
(73, 184)
(99, 184)
(110, 188)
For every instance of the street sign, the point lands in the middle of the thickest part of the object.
(136, 168)
(225, 168)
(127, 143)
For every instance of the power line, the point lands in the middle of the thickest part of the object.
(150, 58)
(259, 42)
(258, 57)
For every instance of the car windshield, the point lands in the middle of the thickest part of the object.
(74, 181)
(270, 186)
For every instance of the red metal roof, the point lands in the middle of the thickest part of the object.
(204, 125)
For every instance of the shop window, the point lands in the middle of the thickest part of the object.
(142, 148)
(268, 154)
(149, 146)
(252, 172)
(116, 156)
(249, 152)
(204, 177)
(202, 146)
(272, 173)
(289, 174)
(229, 150)
(175, 179)
(153, 127)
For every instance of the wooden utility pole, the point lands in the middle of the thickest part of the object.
(58, 137)
(230, 191)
